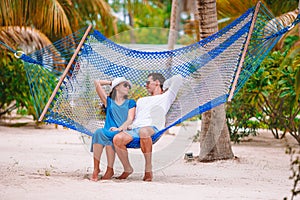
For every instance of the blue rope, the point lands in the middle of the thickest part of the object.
(30, 60)
(8, 47)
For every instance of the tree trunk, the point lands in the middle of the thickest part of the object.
(197, 22)
(214, 137)
(131, 22)
(174, 25)
(207, 15)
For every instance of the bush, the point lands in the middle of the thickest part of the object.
(13, 86)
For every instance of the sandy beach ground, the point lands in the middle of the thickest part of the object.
(55, 163)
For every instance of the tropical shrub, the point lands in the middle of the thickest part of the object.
(270, 95)
(14, 89)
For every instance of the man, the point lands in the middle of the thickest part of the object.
(150, 118)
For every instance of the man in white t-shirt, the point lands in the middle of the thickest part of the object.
(150, 118)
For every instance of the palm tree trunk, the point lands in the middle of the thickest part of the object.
(131, 22)
(207, 15)
(197, 22)
(174, 25)
(214, 137)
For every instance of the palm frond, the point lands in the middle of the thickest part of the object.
(50, 17)
(23, 38)
(283, 21)
(287, 18)
(232, 9)
(279, 7)
(13, 12)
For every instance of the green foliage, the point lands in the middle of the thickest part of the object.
(144, 13)
(240, 119)
(42, 83)
(143, 36)
(270, 95)
(156, 36)
(13, 85)
(137, 92)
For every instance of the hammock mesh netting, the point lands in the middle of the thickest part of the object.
(209, 68)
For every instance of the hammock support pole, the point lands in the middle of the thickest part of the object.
(244, 52)
(65, 73)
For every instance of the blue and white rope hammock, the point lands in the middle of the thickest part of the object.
(214, 69)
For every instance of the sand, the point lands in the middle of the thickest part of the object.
(54, 163)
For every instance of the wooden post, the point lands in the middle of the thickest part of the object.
(244, 52)
(65, 73)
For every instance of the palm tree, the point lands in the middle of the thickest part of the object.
(214, 137)
(215, 141)
(29, 25)
(53, 19)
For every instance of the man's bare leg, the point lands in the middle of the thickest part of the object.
(120, 141)
(97, 149)
(110, 155)
(146, 147)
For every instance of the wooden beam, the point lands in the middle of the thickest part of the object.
(65, 73)
(244, 52)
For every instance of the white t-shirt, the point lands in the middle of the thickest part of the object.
(152, 110)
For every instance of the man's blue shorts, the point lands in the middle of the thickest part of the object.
(135, 132)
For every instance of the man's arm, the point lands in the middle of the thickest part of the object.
(174, 83)
(126, 125)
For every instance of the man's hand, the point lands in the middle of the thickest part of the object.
(115, 129)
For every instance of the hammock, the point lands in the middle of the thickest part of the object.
(214, 70)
